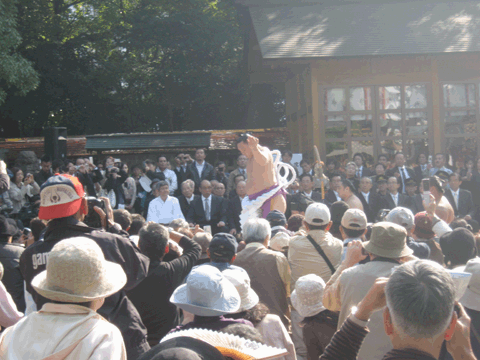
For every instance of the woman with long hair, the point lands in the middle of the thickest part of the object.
(20, 188)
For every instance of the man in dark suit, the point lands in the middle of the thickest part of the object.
(393, 197)
(422, 170)
(181, 171)
(460, 199)
(208, 209)
(234, 208)
(187, 197)
(369, 199)
(413, 201)
(401, 171)
(362, 170)
(332, 194)
(301, 200)
(200, 170)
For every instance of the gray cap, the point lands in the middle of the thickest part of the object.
(401, 216)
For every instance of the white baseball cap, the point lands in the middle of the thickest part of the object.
(354, 219)
(317, 214)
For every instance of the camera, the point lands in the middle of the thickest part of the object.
(92, 219)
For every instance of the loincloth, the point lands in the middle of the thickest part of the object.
(259, 204)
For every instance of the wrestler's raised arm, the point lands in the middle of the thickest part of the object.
(259, 153)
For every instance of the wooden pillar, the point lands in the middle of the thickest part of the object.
(436, 103)
(317, 128)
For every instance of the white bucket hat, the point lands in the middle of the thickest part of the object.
(471, 297)
(207, 293)
(241, 281)
(230, 345)
(308, 294)
(78, 272)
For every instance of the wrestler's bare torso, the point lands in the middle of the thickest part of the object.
(354, 202)
(444, 210)
(261, 173)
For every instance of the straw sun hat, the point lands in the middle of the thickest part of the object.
(78, 272)
(241, 281)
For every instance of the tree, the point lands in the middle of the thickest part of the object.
(16, 73)
(132, 65)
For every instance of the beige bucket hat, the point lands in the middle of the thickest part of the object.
(78, 272)
(241, 281)
(388, 240)
(471, 297)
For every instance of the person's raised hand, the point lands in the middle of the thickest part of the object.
(197, 229)
(373, 301)
(459, 344)
(252, 141)
(355, 253)
(221, 224)
(431, 207)
(233, 232)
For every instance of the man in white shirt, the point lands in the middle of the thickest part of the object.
(164, 208)
(393, 197)
(439, 165)
(200, 170)
(170, 175)
(460, 199)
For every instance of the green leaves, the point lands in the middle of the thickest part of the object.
(16, 73)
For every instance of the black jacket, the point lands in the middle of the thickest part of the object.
(208, 173)
(414, 203)
(40, 176)
(234, 210)
(196, 214)
(465, 203)
(117, 309)
(12, 278)
(330, 197)
(410, 173)
(184, 205)
(152, 296)
(388, 203)
(372, 207)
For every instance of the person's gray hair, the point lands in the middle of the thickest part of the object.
(157, 185)
(178, 223)
(420, 297)
(256, 230)
(369, 179)
(203, 239)
(188, 182)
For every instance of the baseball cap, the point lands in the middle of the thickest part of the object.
(443, 175)
(423, 226)
(223, 246)
(60, 196)
(401, 216)
(354, 219)
(380, 178)
(317, 214)
(410, 182)
(276, 218)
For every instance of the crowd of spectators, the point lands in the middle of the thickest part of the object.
(150, 261)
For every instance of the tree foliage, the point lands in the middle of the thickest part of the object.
(16, 73)
(130, 65)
